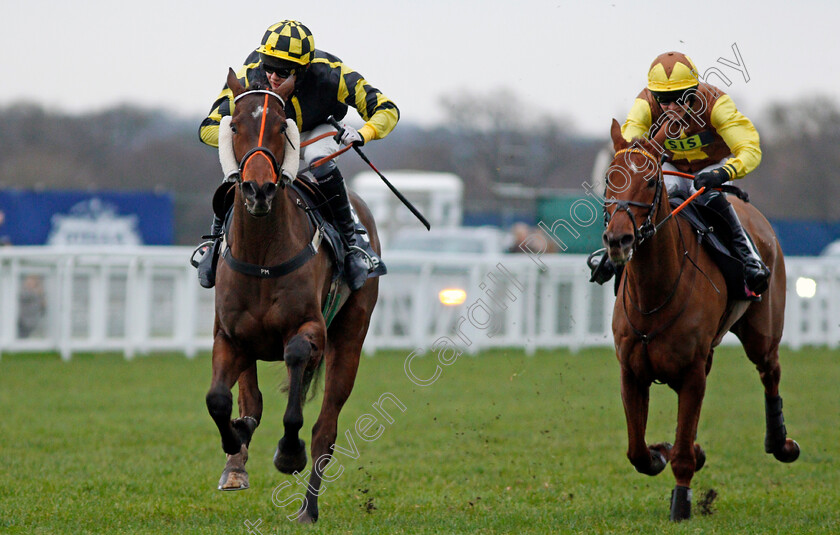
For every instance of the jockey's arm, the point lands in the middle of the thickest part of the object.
(740, 136)
(638, 120)
(208, 131)
(379, 112)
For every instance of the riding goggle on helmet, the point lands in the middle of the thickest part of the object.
(670, 75)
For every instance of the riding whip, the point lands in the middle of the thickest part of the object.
(396, 192)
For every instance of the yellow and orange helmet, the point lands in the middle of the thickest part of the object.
(672, 71)
(287, 41)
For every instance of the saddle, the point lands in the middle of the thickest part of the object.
(311, 196)
(715, 235)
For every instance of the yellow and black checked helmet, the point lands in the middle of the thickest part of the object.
(288, 40)
(672, 71)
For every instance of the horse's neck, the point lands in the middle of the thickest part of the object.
(657, 263)
(271, 239)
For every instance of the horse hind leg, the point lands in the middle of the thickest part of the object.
(290, 456)
(764, 353)
(776, 442)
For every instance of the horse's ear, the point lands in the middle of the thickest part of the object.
(233, 83)
(618, 140)
(286, 88)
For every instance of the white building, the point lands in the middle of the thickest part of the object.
(438, 196)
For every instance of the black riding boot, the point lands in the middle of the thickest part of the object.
(210, 255)
(355, 263)
(755, 272)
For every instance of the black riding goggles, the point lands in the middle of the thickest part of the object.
(667, 97)
(282, 72)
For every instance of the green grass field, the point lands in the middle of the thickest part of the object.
(499, 443)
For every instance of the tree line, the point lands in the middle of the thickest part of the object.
(507, 154)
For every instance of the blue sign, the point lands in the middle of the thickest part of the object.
(86, 218)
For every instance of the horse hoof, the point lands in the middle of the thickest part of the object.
(680, 503)
(234, 476)
(234, 479)
(699, 458)
(787, 453)
(659, 455)
(289, 463)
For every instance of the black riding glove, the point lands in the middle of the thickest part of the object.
(711, 179)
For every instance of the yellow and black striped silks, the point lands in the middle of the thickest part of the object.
(327, 87)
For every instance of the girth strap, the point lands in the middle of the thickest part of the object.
(269, 272)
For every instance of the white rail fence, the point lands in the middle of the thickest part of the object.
(141, 300)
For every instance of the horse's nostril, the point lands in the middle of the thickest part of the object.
(270, 190)
(618, 242)
(249, 189)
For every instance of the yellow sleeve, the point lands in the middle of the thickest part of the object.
(740, 136)
(208, 131)
(379, 112)
(638, 120)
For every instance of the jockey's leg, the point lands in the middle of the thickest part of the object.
(210, 255)
(331, 184)
(755, 272)
(355, 263)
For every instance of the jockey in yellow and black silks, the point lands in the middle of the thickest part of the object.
(324, 87)
(708, 137)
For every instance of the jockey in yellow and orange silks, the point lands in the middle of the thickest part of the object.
(706, 136)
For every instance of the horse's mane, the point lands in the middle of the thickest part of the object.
(648, 145)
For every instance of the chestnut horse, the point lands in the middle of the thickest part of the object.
(672, 309)
(279, 318)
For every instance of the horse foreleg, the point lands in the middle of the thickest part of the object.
(636, 397)
(764, 353)
(234, 476)
(227, 366)
(684, 453)
(290, 456)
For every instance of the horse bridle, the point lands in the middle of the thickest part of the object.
(647, 228)
(260, 149)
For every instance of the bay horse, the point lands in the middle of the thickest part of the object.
(279, 318)
(672, 309)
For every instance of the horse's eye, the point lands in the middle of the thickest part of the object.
(233, 128)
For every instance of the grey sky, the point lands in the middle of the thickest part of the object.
(582, 60)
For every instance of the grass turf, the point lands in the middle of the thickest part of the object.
(499, 443)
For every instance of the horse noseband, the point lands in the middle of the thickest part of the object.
(265, 152)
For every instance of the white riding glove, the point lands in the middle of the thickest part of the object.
(351, 136)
